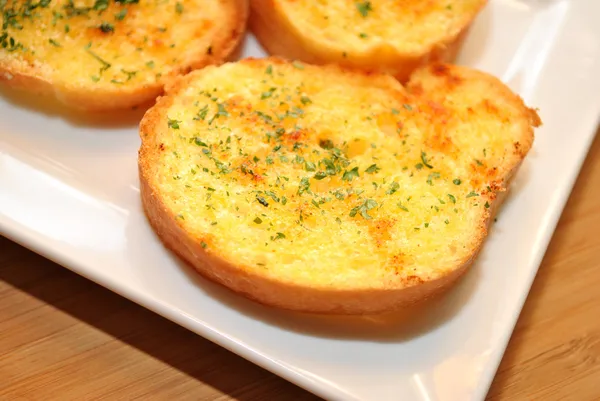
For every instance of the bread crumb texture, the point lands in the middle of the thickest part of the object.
(107, 44)
(328, 178)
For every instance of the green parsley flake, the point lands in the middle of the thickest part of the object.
(424, 160)
(364, 7)
(402, 207)
(278, 236)
(394, 186)
(369, 204)
(372, 169)
(173, 124)
(349, 175)
(121, 14)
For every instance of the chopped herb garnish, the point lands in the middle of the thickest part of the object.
(364, 208)
(221, 112)
(310, 166)
(305, 100)
(472, 194)
(178, 8)
(199, 142)
(456, 181)
(363, 35)
(487, 205)
(304, 186)
(262, 201)
(201, 115)
(424, 160)
(107, 27)
(278, 236)
(173, 124)
(54, 43)
(401, 206)
(130, 74)
(364, 7)
(372, 169)
(105, 65)
(272, 195)
(349, 175)
(121, 14)
(203, 244)
(320, 175)
(267, 94)
(394, 186)
(432, 176)
(269, 70)
(452, 198)
(407, 107)
(329, 166)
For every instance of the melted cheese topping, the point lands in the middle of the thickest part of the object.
(407, 25)
(294, 171)
(106, 43)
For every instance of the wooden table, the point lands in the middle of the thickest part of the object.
(64, 338)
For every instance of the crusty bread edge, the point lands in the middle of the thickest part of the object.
(224, 47)
(279, 294)
(280, 39)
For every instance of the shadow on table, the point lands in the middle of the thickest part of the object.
(138, 327)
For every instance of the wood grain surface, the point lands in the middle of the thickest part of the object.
(63, 337)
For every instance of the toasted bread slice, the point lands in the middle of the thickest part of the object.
(101, 55)
(394, 37)
(326, 190)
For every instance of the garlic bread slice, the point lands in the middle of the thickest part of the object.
(101, 55)
(326, 190)
(390, 36)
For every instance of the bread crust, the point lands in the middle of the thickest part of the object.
(213, 265)
(269, 24)
(28, 77)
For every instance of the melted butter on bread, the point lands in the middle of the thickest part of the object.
(331, 180)
(113, 46)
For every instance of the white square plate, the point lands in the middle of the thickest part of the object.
(69, 190)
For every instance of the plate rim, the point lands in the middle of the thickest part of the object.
(19, 234)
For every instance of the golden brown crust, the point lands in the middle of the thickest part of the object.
(270, 28)
(28, 77)
(214, 265)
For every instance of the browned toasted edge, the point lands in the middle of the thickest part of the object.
(223, 47)
(266, 24)
(215, 267)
